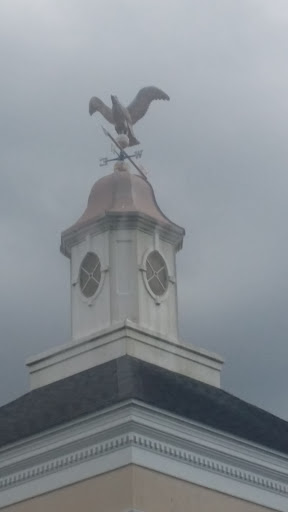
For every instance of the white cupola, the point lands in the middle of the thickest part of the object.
(122, 253)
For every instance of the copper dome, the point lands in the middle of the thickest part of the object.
(121, 192)
(122, 196)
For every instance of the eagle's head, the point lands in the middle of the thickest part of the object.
(94, 105)
(114, 99)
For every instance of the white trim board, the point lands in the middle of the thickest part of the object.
(124, 338)
(134, 433)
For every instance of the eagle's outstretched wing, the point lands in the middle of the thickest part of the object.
(96, 105)
(141, 102)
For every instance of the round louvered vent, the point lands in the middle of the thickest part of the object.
(156, 273)
(90, 274)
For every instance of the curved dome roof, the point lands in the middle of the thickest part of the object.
(121, 192)
(125, 197)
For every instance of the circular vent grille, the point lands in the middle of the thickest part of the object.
(156, 273)
(90, 274)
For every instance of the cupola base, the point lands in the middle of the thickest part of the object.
(126, 338)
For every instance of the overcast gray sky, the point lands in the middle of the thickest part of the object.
(217, 156)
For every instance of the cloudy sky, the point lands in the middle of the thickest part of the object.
(217, 157)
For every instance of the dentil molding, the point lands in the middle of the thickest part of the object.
(134, 433)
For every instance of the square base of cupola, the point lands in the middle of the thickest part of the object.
(124, 339)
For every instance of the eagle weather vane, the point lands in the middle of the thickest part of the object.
(123, 119)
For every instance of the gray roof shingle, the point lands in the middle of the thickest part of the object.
(130, 378)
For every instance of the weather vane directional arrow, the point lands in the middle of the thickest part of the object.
(122, 155)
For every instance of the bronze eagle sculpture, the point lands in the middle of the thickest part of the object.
(122, 117)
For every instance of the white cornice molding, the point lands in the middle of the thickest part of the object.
(134, 433)
(113, 220)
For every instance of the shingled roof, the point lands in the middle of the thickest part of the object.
(129, 378)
